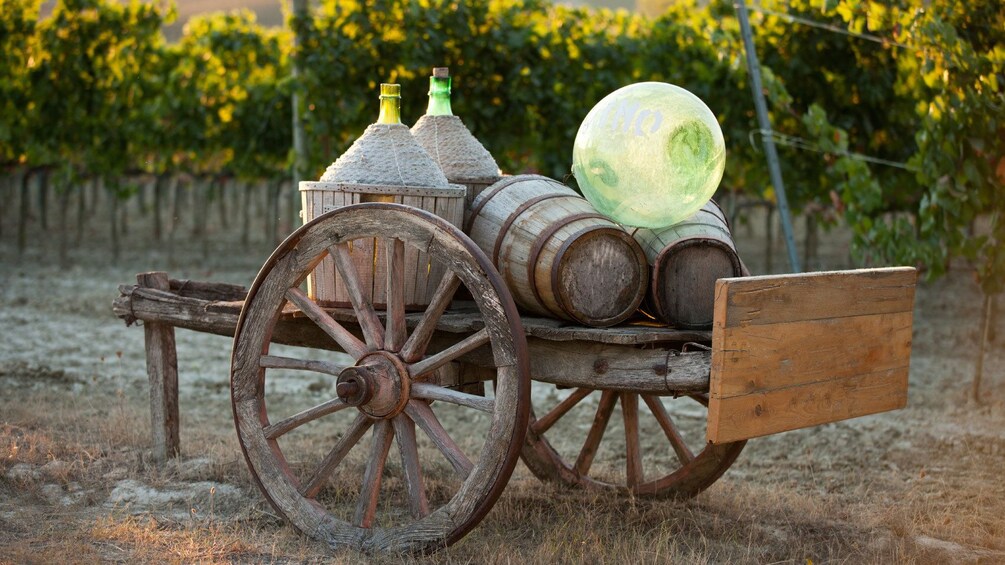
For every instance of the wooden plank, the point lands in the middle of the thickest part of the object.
(196, 313)
(394, 276)
(411, 258)
(795, 351)
(778, 355)
(162, 373)
(328, 284)
(813, 296)
(764, 413)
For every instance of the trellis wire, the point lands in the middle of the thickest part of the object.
(807, 145)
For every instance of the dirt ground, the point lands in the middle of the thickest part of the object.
(77, 483)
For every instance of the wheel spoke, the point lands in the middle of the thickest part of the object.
(348, 342)
(350, 438)
(433, 362)
(415, 347)
(273, 431)
(396, 332)
(366, 506)
(544, 423)
(373, 331)
(589, 450)
(277, 362)
(700, 398)
(423, 415)
(404, 432)
(633, 449)
(429, 391)
(683, 452)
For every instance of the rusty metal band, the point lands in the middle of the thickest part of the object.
(491, 191)
(640, 258)
(504, 228)
(542, 240)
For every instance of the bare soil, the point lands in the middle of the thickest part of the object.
(919, 485)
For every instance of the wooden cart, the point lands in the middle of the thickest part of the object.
(785, 352)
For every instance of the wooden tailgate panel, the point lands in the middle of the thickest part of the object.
(793, 351)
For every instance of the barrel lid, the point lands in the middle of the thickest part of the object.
(600, 275)
(460, 156)
(386, 155)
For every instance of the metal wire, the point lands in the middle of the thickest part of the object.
(807, 145)
(829, 27)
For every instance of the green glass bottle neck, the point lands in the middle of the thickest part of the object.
(439, 97)
(390, 104)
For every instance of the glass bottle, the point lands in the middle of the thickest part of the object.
(439, 93)
(461, 157)
(390, 104)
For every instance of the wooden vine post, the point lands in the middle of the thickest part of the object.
(162, 371)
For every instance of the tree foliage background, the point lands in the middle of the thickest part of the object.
(890, 115)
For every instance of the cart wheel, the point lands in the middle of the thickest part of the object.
(441, 483)
(657, 448)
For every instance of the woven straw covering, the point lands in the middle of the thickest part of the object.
(455, 150)
(386, 154)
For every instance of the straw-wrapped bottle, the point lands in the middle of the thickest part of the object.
(461, 157)
(385, 164)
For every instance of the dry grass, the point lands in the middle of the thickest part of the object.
(754, 521)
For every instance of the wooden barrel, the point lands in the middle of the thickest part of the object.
(687, 258)
(558, 255)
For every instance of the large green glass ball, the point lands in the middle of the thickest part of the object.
(649, 155)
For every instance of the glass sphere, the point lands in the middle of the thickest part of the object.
(649, 155)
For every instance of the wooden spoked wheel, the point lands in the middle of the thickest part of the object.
(339, 481)
(656, 448)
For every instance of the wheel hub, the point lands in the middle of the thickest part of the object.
(378, 385)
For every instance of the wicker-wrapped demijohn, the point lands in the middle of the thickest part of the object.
(687, 258)
(384, 165)
(461, 157)
(558, 256)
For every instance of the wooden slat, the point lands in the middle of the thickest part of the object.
(394, 276)
(794, 351)
(764, 413)
(777, 355)
(411, 258)
(814, 296)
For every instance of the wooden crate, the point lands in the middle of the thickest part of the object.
(793, 351)
(324, 285)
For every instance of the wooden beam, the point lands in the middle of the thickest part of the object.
(162, 373)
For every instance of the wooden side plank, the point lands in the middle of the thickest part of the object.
(795, 351)
(813, 296)
(764, 413)
(778, 355)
